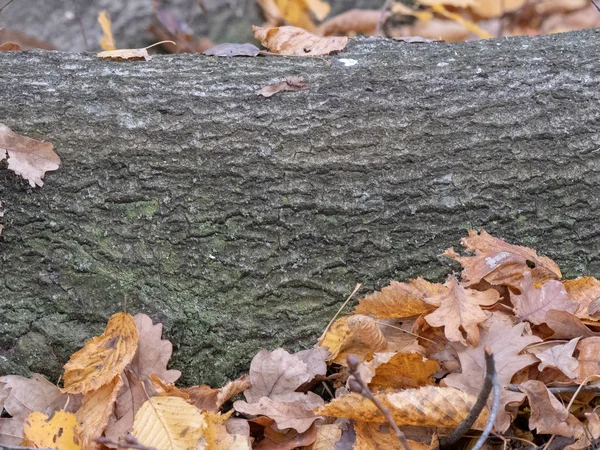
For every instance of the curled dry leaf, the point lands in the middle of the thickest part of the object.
(294, 41)
(288, 84)
(534, 303)
(460, 310)
(506, 342)
(426, 406)
(9, 47)
(27, 157)
(103, 357)
(354, 21)
(399, 300)
(60, 431)
(230, 50)
(560, 356)
(169, 423)
(586, 292)
(498, 262)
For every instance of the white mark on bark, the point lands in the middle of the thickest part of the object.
(348, 62)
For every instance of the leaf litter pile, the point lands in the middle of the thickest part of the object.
(507, 355)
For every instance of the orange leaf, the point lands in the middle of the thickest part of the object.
(103, 357)
(399, 300)
(354, 21)
(586, 292)
(378, 436)
(27, 157)
(589, 358)
(59, 431)
(402, 371)
(297, 42)
(106, 41)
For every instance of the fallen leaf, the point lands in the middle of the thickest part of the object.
(491, 9)
(130, 398)
(319, 8)
(399, 300)
(24, 41)
(103, 357)
(533, 303)
(288, 84)
(95, 411)
(206, 398)
(275, 439)
(354, 21)
(416, 39)
(9, 46)
(27, 157)
(460, 310)
(229, 50)
(379, 436)
(20, 396)
(426, 406)
(60, 431)
(548, 414)
(586, 292)
(589, 358)
(327, 436)
(400, 371)
(506, 342)
(500, 263)
(567, 326)
(297, 414)
(153, 353)
(106, 41)
(217, 436)
(294, 41)
(168, 423)
(561, 357)
(129, 53)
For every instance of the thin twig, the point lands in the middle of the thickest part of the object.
(490, 381)
(357, 384)
(81, 27)
(339, 311)
(561, 389)
(384, 8)
(495, 406)
(8, 3)
(596, 5)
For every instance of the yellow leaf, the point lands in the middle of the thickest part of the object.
(319, 8)
(129, 53)
(106, 41)
(428, 406)
(296, 13)
(103, 357)
(95, 411)
(216, 434)
(169, 423)
(404, 370)
(58, 432)
(472, 27)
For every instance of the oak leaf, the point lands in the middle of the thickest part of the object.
(533, 303)
(506, 342)
(169, 423)
(400, 371)
(586, 292)
(20, 396)
(27, 157)
(567, 326)
(589, 358)
(426, 406)
(206, 398)
(59, 431)
(103, 357)
(460, 310)
(95, 412)
(297, 42)
(561, 357)
(399, 300)
(499, 262)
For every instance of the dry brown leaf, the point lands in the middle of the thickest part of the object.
(297, 414)
(586, 292)
(9, 47)
(327, 436)
(206, 398)
(60, 431)
(426, 406)
(561, 357)
(24, 41)
(499, 263)
(153, 352)
(288, 84)
(506, 342)
(130, 53)
(95, 411)
(460, 310)
(399, 300)
(131, 396)
(275, 439)
(169, 423)
(230, 50)
(106, 41)
(567, 326)
(534, 303)
(354, 21)
(379, 436)
(589, 358)
(103, 357)
(294, 41)
(20, 396)
(217, 436)
(495, 8)
(27, 157)
(401, 371)
(548, 414)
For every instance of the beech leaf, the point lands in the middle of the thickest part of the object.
(295, 41)
(27, 157)
(59, 431)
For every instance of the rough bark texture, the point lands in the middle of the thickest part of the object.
(243, 222)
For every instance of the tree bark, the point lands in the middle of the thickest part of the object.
(243, 222)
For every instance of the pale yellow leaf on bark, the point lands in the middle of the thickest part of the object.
(60, 431)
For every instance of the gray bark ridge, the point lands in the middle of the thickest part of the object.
(242, 222)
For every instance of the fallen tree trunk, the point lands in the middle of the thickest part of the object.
(243, 222)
